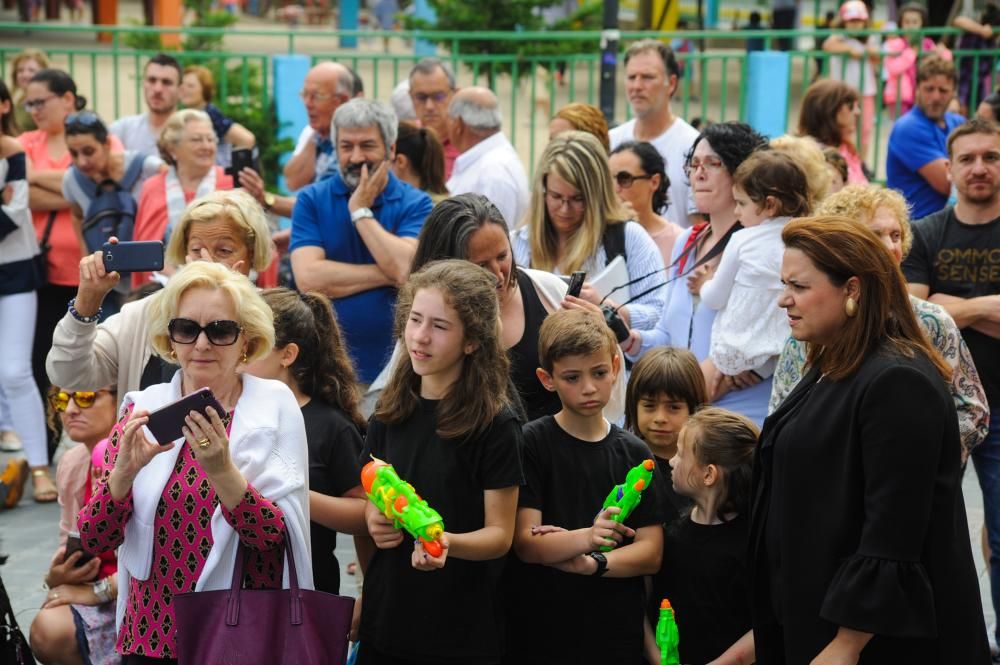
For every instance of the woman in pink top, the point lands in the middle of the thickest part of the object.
(188, 145)
(829, 114)
(901, 56)
(78, 616)
(50, 97)
(178, 510)
(641, 184)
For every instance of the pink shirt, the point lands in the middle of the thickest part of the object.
(855, 174)
(183, 541)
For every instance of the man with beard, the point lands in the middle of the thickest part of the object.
(326, 87)
(355, 233)
(917, 163)
(955, 262)
(161, 80)
(651, 75)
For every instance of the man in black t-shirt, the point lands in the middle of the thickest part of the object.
(955, 262)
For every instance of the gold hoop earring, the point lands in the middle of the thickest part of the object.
(173, 354)
(851, 307)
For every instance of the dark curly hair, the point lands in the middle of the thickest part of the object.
(732, 141)
(652, 163)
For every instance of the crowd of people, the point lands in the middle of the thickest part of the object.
(803, 360)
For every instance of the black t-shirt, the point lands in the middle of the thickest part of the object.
(704, 574)
(672, 504)
(449, 615)
(536, 399)
(334, 445)
(961, 260)
(557, 617)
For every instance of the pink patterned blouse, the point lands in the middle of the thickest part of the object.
(183, 540)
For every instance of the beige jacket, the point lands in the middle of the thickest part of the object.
(87, 355)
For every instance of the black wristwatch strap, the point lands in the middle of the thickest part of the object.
(602, 563)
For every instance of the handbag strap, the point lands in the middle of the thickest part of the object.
(235, 587)
(44, 245)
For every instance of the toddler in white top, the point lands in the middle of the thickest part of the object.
(750, 329)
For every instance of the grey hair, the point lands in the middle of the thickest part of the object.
(476, 116)
(359, 113)
(428, 66)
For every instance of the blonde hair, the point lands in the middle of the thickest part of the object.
(861, 202)
(27, 54)
(174, 128)
(233, 206)
(587, 118)
(580, 160)
(254, 315)
(807, 154)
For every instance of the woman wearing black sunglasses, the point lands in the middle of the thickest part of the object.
(78, 616)
(641, 183)
(180, 510)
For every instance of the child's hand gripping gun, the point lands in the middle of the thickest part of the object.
(667, 637)
(398, 501)
(628, 495)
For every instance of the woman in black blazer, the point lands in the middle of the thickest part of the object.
(859, 544)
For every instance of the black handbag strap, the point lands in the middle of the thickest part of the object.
(44, 245)
(236, 586)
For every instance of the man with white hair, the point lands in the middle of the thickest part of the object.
(487, 163)
(355, 233)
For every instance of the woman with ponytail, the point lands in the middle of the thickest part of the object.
(419, 160)
(309, 357)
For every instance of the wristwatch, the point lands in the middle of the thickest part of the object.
(102, 589)
(269, 200)
(362, 213)
(602, 563)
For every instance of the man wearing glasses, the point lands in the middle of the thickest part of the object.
(651, 76)
(327, 86)
(432, 86)
(161, 79)
(487, 163)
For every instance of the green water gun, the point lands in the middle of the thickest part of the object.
(667, 637)
(628, 495)
(398, 501)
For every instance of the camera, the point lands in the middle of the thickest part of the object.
(615, 322)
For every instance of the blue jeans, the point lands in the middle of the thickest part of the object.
(986, 460)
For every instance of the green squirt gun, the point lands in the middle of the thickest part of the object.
(667, 637)
(628, 495)
(398, 501)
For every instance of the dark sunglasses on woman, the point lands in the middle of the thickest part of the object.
(219, 333)
(625, 179)
(83, 398)
(82, 119)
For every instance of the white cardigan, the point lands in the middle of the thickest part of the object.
(268, 445)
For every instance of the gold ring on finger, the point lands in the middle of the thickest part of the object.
(203, 442)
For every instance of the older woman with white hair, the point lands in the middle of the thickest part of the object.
(224, 227)
(188, 145)
(181, 511)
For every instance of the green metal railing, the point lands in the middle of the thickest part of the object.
(713, 88)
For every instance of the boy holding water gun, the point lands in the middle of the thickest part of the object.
(569, 601)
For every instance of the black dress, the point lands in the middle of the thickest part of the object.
(858, 520)
(537, 401)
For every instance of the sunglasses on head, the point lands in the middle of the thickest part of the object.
(83, 398)
(219, 333)
(625, 179)
(82, 119)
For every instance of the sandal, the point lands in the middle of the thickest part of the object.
(43, 489)
(12, 482)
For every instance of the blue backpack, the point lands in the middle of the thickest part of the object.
(112, 207)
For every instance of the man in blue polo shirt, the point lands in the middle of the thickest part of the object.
(917, 164)
(354, 234)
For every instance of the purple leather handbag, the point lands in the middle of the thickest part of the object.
(262, 627)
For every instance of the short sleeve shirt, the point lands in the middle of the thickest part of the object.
(915, 142)
(136, 134)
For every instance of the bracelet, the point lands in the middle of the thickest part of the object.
(102, 590)
(94, 318)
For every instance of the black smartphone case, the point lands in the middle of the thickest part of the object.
(166, 422)
(139, 255)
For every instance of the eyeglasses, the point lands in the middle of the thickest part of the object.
(313, 96)
(709, 164)
(83, 398)
(558, 200)
(423, 97)
(625, 179)
(83, 120)
(36, 104)
(219, 333)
